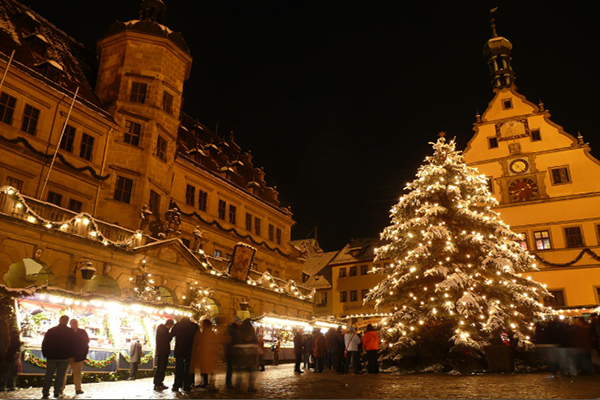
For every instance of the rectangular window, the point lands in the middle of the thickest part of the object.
(87, 147)
(257, 222)
(507, 104)
(232, 214)
(353, 271)
(133, 132)
(217, 253)
(123, 189)
(354, 295)
(138, 92)
(343, 297)
(271, 233)
(523, 242)
(154, 203)
(161, 148)
(278, 235)
(30, 119)
(222, 209)
(542, 240)
(66, 143)
(364, 293)
(342, 272)
(323, 297)
(186, 242)
(490, 184)
(493, 142)
(202, 200)
(7, 107)
(535, 135)
(167, 103)
(14, 182)
(573, 237)
(75, 205)
(276, 274)
(248, 222)
(364, 269)
(54, 198)
(190, 194)
(557, 299)
(560, 175)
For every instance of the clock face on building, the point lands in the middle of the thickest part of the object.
(518, 166)
(522, 189)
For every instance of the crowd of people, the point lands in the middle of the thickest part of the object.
(337, 350)
(570, 349)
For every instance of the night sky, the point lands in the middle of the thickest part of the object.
(338, 100)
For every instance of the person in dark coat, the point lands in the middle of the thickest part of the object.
(330, 336)
(9, 360)
(307, 351)
(163, 351)
(580, 347)
(135, 357)
(232, 335)
(184, 332)
(319, 350)
(57, 348)
(298, 350)
(76, 362)
(339, 349)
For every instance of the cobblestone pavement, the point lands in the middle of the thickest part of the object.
(280, 382)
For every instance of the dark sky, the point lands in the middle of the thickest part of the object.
(338, 100)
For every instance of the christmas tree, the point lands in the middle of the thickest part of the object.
(454, 272)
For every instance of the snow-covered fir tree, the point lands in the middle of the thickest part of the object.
(454, 276)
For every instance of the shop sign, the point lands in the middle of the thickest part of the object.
(241, 261)
(365, 322)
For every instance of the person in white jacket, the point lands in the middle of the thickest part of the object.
(352, 341)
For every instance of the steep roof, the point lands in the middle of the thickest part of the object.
(39, 45)
(358, 250)
(316, 262)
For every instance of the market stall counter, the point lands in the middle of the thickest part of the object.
(111, 324)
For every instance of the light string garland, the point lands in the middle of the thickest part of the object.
(457, 268)
(88, 224)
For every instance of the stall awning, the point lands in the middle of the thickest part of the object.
(28, 272)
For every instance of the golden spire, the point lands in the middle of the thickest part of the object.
(492, 21)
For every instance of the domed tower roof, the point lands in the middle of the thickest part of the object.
(152, 17)
(497, 51)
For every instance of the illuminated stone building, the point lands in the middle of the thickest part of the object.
(547, 183)
(151, 182)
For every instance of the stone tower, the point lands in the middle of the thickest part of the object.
(143, 66)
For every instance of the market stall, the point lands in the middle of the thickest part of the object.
(272, 327)
(111, 324)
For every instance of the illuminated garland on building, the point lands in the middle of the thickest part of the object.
(568, 264)
(41, 363)
(144, 360)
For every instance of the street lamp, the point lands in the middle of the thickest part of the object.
(87, 269)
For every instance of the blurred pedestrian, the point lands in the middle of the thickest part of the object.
(580, 347)
(57, 348)
(204, 354)
(246, 353)
(184, 332)
(76, 362)
(330, 336)
(319, 350)
(307, 350)
(352, 342)
(261, 352)
(232, 337)
(298, 349)
(135, 357)
(339, 356)
(371, 346)
(163, 351)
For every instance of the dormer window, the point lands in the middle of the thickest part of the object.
(51, 70)
(39, 44)
(28, 23)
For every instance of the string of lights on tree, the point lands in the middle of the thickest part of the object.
(457, 269)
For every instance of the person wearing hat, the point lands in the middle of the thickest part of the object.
(135, 357)
(352, 340)
(232, 335)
